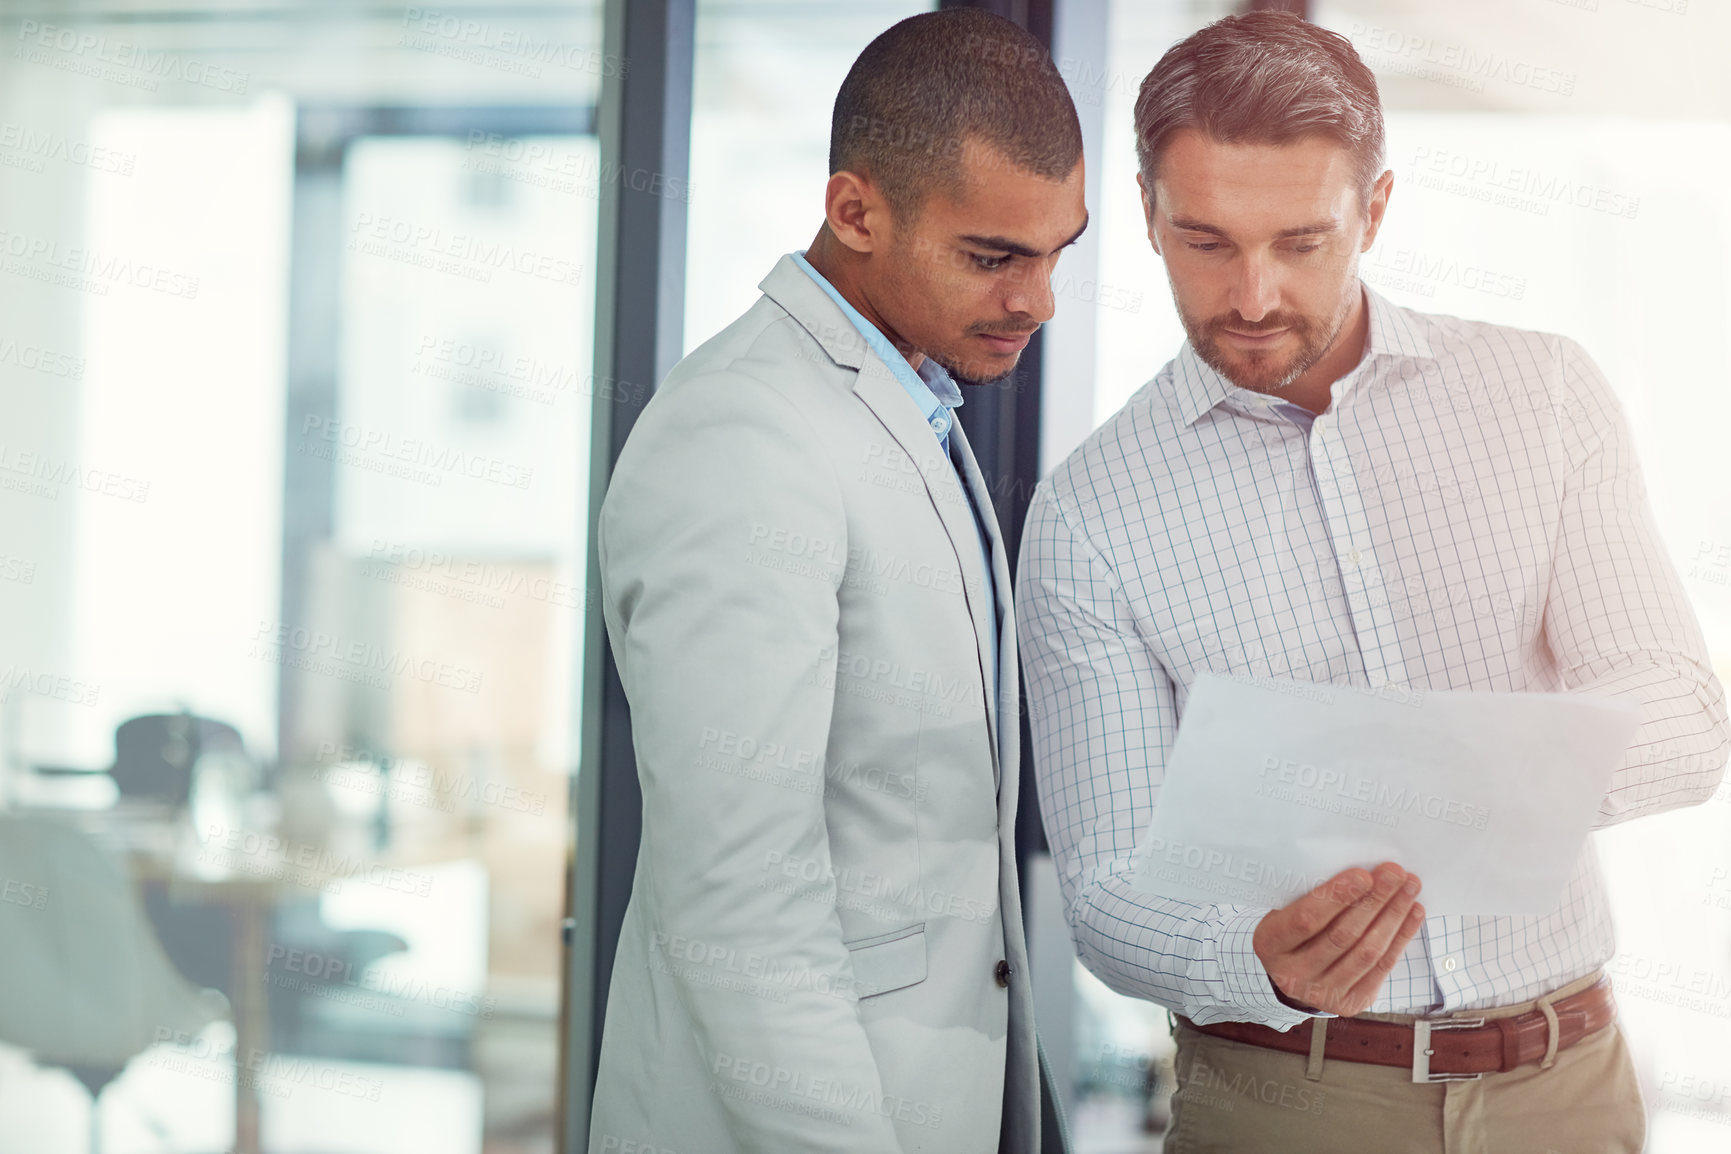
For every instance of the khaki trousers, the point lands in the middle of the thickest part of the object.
(1234, 1098)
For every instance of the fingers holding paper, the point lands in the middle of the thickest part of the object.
(1331, 949)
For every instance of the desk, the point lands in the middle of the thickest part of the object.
(248, 902)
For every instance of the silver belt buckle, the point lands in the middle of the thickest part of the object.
(1421, 1048)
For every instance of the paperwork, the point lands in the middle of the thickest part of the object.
(1275, 786)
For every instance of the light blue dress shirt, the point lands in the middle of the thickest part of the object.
(938, 397)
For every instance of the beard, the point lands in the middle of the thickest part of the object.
(1263, 370)
(977, 372)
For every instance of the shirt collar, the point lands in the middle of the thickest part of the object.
(931, 387)
(1392, 332)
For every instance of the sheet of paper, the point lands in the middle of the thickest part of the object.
(1275, 786)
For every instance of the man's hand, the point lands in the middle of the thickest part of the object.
(1332, 948)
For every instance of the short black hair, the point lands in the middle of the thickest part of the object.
(936, 80)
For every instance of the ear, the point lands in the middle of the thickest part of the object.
(856, 211)
(1148, 212)
(1376, 207)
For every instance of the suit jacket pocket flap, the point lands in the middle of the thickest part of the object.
(889, 961)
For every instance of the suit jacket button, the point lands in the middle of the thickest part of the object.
(1002, 973)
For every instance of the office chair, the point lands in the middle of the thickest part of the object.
(84, 983)
(154, 755)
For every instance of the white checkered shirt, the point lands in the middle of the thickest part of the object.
(1468, 514)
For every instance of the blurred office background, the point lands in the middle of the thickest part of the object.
(319, 324)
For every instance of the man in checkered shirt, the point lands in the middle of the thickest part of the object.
(1324, 487)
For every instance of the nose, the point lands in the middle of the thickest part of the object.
(1255, 289)
(1031, 293)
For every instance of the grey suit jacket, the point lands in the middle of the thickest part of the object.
(826, 887)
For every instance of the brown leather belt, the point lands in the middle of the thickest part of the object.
(1440, 1049)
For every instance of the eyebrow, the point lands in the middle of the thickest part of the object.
(1322, 226)
(1005, 244)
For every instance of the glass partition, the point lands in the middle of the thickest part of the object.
(295, 386)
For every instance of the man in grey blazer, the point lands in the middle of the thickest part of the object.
(808, 602)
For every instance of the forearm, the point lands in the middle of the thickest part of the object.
(1678, 755)
(1194, 959)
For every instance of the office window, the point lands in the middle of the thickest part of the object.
(765, 82)
(295, 383)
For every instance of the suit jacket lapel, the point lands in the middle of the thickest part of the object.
(874, 383)
(901, 418)
(1009, 735)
